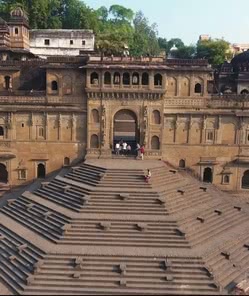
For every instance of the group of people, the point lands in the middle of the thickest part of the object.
(123, 148)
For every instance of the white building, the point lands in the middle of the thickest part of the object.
(71, 42)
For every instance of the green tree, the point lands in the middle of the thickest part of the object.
(186, 52)
(215, 50)
(145, 41)
(167, 45)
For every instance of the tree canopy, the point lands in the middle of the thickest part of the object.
(118, 29)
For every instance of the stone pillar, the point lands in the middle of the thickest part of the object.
(46, 127)
(178, 86)
(13, 115)
(191, 85)
(151, 80)
(31, 124)
(112, 79)
(73, 128)
(204, 120)
(88, 79)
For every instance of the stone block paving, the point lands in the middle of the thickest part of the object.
(99, 228)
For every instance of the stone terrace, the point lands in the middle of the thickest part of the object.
(173, 235)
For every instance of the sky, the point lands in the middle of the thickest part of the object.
(187, 19)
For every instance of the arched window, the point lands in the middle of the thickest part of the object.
(156, 117)
(41, 171)
(16, 31)
(41, 132)
(182, 164)
(226, 179)
(107, 78)
(158, 80)
(1, 131)
(198, 89)
(66, 161)
(155, 143)
(126, 79)
(245, 180)
(94, 141)
(116, 78)
(94, 78)
(54, 85)
(135, 79)
(244, 92)
(145, 79)
(95, 116)
(208, 175)
(7, 82)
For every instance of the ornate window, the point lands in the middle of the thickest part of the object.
(158, 80)
(54, 85)
(135, 79)
(94, 143)
(156, 117)
(145, 79)
(116, 78)
(155, 143)
(126, 79)
(107, 78)
(95, 78)
(1, 131)
(22, 174)
(226, 179)
(95, 116)
(7, 82)
(198, 88)
(210, 136)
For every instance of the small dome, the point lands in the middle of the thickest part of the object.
(174, 48)
(18, 13)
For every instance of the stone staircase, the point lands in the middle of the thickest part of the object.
(77, 275)
(103, 230)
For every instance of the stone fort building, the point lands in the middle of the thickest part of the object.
(61, 110)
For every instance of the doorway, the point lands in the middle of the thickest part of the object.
(3, 174)
(126, 128)
(41, 171)
(245, 180)
(208, 175)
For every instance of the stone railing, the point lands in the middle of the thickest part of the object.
(230, 102)
(22, 100)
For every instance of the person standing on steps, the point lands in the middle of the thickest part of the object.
(124, 148)
(148, 176)
(142, 152)
(117, 148)
(128, 149)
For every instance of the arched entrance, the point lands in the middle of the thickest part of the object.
(245, 180)
(41, 171)
(208, 175)
(3, 174)
(125, 128)
(182, 164)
